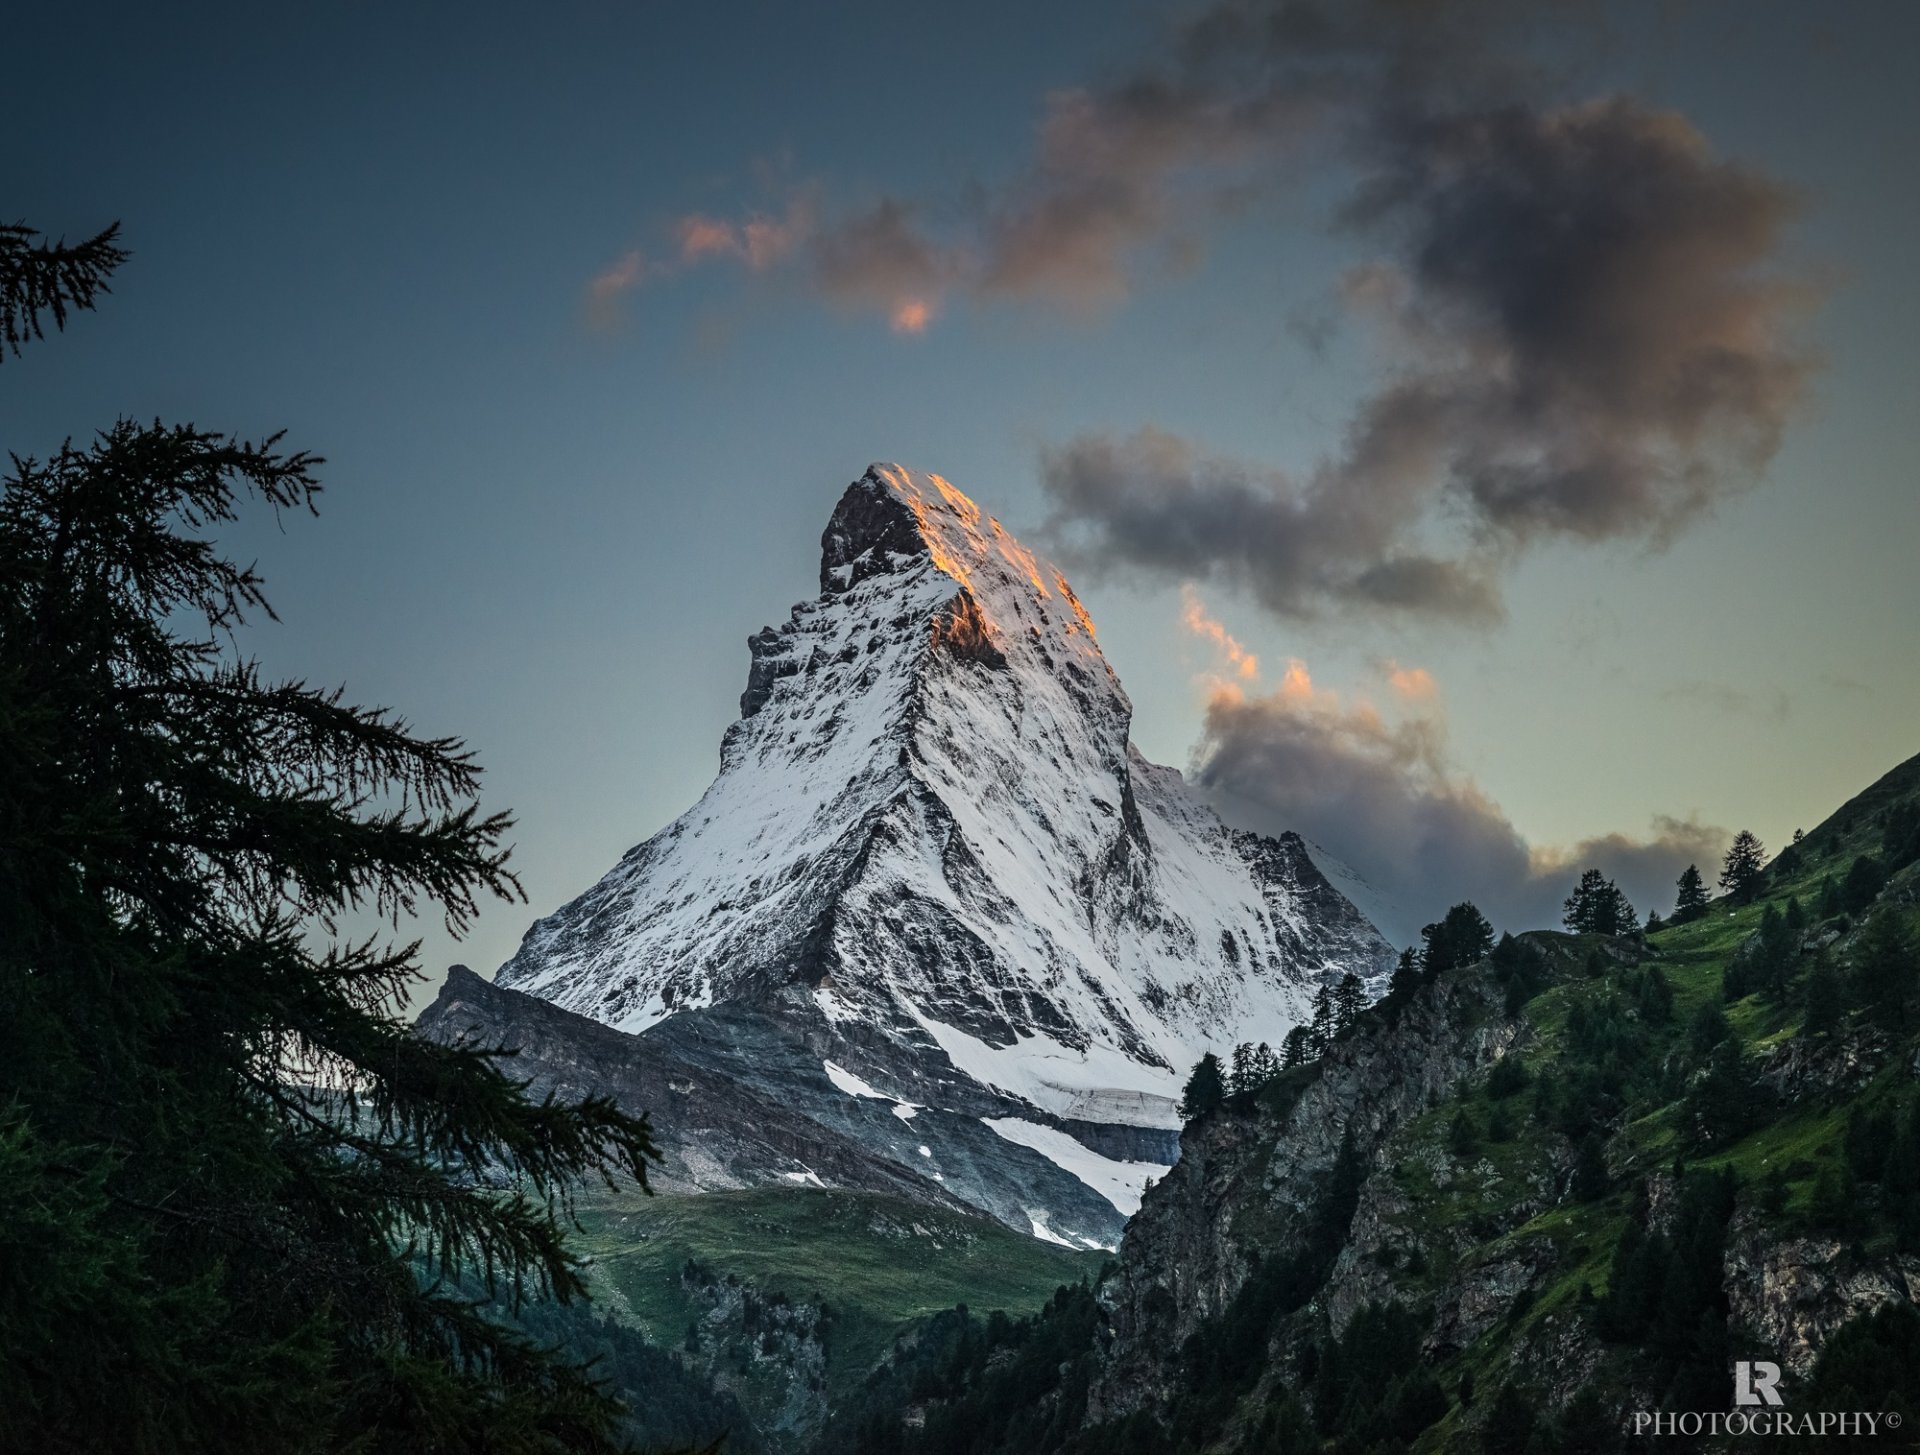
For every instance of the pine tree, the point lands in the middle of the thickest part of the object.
(1725, 1100)
(1691, 901)
(1597, 907)
(1744, 868)
(1205, 1090)
(1580, 907)
(1821, 998)
(1828, 905)
(1297, 1049)
(1509, 1426)
(1900, 835)
(41, 279)
(1590, 1177)
(1349, 999)
(236, 1209)
(1324, 1024)
(1654, 923)
(1240, 1077)
(1768, 959)
(1463, 1138)
(1462, 937)
(1864, 881)
(1884, 967)
(1264, 1065)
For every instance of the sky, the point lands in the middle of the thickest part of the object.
(1526, 392)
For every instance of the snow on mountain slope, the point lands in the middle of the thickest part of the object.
(931, 840)
(1120, 1183)
(1383, 912)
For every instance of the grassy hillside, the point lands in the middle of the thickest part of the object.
(874, 1265)
(1593, 1224)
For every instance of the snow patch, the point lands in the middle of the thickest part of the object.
(1120, 1183)
(851, 1084)
(1046, 1234)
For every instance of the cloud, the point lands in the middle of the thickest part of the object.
(1586, 338)
(759, 242)
(605, 291)
(1415, 684)
(1584, 329)
(1595, 346)
(879, 260)
(1194, 616)
(1154, 500)
(1376, 787)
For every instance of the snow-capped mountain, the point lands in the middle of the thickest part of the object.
(932, 855)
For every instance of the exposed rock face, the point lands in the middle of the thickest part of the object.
(1245, 1183)
(933, 859)
(1793, 1293)
(1247, 1179)
(747, 1342)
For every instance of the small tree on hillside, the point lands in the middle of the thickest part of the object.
(1262, 1066)
(1460, 938)
(1821, 996)
(1743, 870)
(1597, 907)
(1297, 1049)
(1865, 879)
(1349, 999)
(1206, 1088)
(1884, 968)
(1324, 1026)
(1400, 989)
(1691, 901)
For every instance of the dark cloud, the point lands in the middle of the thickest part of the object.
(1378, 792)
(1584, 333)
(1154, 499)
(881, 259)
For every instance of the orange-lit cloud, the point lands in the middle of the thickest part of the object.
(1194, 616)
(912, 315)
(759, 242)
(1415, 684)
(605, 290)
(703, 237)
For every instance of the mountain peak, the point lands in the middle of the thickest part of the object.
(933, 855)
(892, 516)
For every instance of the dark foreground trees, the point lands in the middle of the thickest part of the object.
(241, 1207)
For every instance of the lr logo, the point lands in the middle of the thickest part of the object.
(1756, 1380)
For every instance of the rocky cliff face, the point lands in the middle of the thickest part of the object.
(1246, 1180)
(1489, 1239)
(962, 923)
